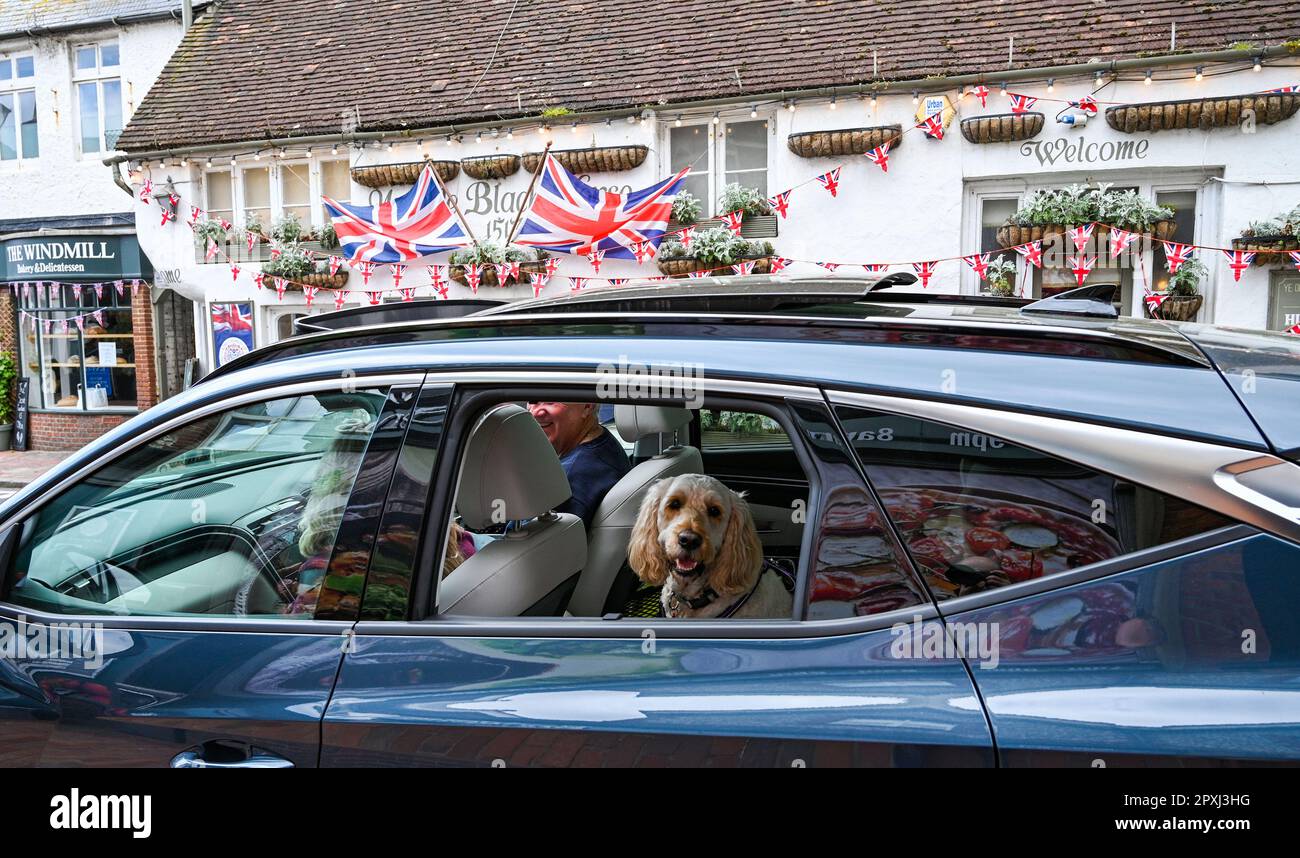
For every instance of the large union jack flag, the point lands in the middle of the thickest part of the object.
(417, 223)
(569, 216)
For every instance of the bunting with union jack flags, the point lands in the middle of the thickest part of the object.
(1021, 103)
(566, 215)
(1239, 261)
(418, 223)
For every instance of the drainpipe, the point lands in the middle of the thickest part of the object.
(187, 15)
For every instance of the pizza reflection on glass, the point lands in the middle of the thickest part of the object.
(858, 570)
(968, 542)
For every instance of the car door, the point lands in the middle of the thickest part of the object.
(186, 599)
(1143, 613)
(563, 691)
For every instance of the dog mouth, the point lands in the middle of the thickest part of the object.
(687, 567)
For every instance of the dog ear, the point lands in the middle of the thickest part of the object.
(644, 553)
(741, 554)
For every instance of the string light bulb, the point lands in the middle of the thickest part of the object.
(1200, 72)
(334, 150)
(510, 133)
(1051, 84)
(753, 111)
(916, 97)
(209, 163)
(478, 136)
(257, 156)
(832, 102)
(1004, 87)
(1259, 64)
(716, 118)
(1148, 78)
(790, 106)
(390, 145)
(573, 129)
(232, 160)
(678, 121)
(873, 101)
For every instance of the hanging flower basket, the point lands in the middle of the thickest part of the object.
(682, 267)
(488, 274)
(1279, 243)
(600, 159)
(1002, 127)
(390, 175)
(1009, 235)
(325, 280)
(846, 141)
(1221, 112)
(490, 166)
(1176, 308)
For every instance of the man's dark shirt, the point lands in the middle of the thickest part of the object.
(592, 468)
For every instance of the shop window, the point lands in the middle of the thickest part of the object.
(78, 350)
(18, 137)
(96, 78)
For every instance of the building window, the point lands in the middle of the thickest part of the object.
(336, 183)
(18, 138)
(720, 154)
(295, 191)
(256, 185)
(220, 199)
(86, 366)
(95, 72)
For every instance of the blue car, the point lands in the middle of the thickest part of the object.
(1007, 533)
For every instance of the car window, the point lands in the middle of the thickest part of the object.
(978, 512)
(728, 430)
(233, 514)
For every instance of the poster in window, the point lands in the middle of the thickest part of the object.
(1284, 301)
(232, 330)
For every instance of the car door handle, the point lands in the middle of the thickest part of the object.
(262, 760)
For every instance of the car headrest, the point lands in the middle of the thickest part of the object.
(511, 471)
(635, 422)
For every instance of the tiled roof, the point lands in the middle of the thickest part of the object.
(249, 69)
(19, 16)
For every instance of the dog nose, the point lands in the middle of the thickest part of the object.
(689, 540)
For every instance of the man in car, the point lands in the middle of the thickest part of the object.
(592, 458)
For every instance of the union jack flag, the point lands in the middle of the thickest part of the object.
(1087, 104)
(340, 298)
(226, 225)
(982, 93)
(1081, 235)
(208, 254)
(436, 277)
(538, 280)
(408, 293)
(617, 281)
(829, 266)
(1153, 300)
(309, 294)
(1176, 254)
(231, 318)
(780, 203)
(1081, 266)
(375, 297)
(277, 252)
(567, 215)
(473, 273)
(979, 263)
(778, 264)
(146, 191)
(880, 156)
(336, 262)
(732, 220)
(1295, 258)
(643, 250)
(875, 267)
(234, 271)
(1294, 329)
(1295, 88)
(280, 286)
(698, 274)
(440, 289)
(1120, 239)
(173, 200)
(552, 265)
(167, 215)
(830, 181)
(685, 235)
(924, 270)
(398, 270)
(595, 255)
(367, 269)
(195, 214)
(251, 239)
(932, 125)
(577, 284)
(507, 271)
(1239, 261)
(1032, 252)
(259, 280)
(417, 223)
(746, 267)
(1021, 103)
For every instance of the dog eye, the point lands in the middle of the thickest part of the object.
(674, 504)
(714, 512)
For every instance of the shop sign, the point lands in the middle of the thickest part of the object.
(1284, 301)
(1079, 150)
(56, 257)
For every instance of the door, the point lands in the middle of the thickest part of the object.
(188, 601)
(441, 690)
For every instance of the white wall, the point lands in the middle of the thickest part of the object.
(917, 211)
(62, 181)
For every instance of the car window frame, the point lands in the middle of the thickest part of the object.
(22, 515)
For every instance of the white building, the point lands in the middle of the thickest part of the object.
(71, 76)
(939, 200)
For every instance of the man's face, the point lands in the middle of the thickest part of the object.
(563, 422)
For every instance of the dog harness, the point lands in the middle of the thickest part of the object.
(675, 602)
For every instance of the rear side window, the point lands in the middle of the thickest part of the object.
(977, 512)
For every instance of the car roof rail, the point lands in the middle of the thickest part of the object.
(390, 313)
(898, 278)
(1095, 301)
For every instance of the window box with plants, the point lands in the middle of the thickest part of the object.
(394, 175)
(1047, 213)
(757, 222)
(8, 380)
(598, 159)
(715, 250)
(1276, 236)
(489, 255)
(844, 141)
(1000, 279)
(1224, 111)
(1183, 298)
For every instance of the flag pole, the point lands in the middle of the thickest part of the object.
(451, 203)
(528, 197)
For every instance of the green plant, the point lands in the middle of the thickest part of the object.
(287, 229)
(8, 376)
(740, 422)
(487, 252)
(552, 112)
(253, 223)
(1287, 224)
(1186, 280)
(210, 230)
(1001, 277)
(1080, 204)
(328, 238)
(292, 264)
(715, 246)
(686, 209)
(736, 197)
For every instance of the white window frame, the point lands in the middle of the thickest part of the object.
(207, 191)
(98, 76)
(716, 148)
(16, 86)
(1148, 184)
(318, 177)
